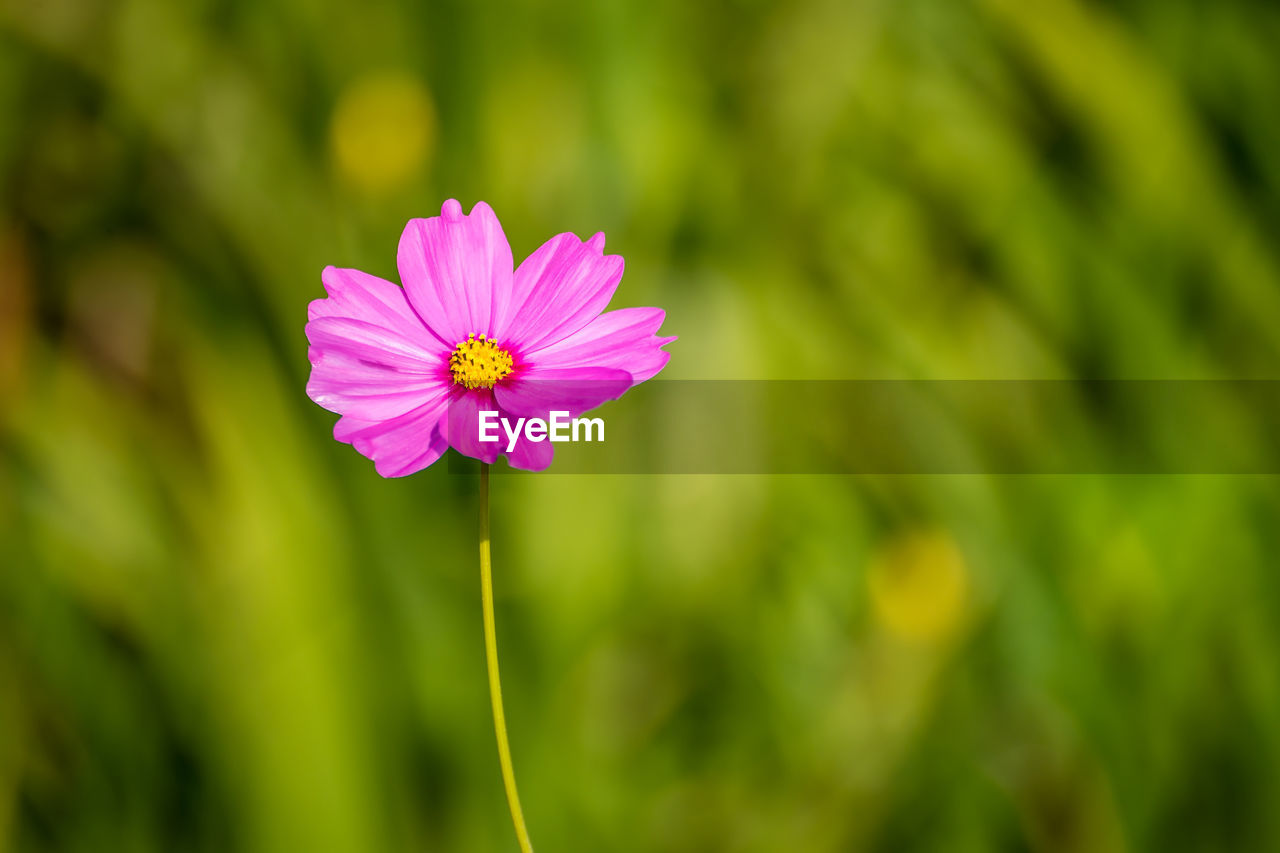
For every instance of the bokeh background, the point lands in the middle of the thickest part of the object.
(221, 631)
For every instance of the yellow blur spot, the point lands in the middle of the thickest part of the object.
(383, 131)
(919, 587)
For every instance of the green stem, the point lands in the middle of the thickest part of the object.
(491, 656)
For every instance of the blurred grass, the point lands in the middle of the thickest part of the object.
(220, 630)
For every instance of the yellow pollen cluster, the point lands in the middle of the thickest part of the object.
(479, 363)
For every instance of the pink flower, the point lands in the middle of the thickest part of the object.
(410, 369)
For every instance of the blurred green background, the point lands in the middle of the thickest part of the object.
(220, 630)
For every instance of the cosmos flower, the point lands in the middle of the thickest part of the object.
(410, 369)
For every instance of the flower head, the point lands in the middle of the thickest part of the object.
(410, 369)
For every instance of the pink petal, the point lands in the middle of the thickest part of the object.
(624, 339)
(463, 425)
(457, 270)
(528, 455)
(371, 357)
(372, 345)
(402, 445)
(344, 365)
(560, 288)
(364, 402)
(539, 391)
(360, 296)
(462, 429)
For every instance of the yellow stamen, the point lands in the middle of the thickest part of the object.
(479, 363)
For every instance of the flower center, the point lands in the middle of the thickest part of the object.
(479, 363)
